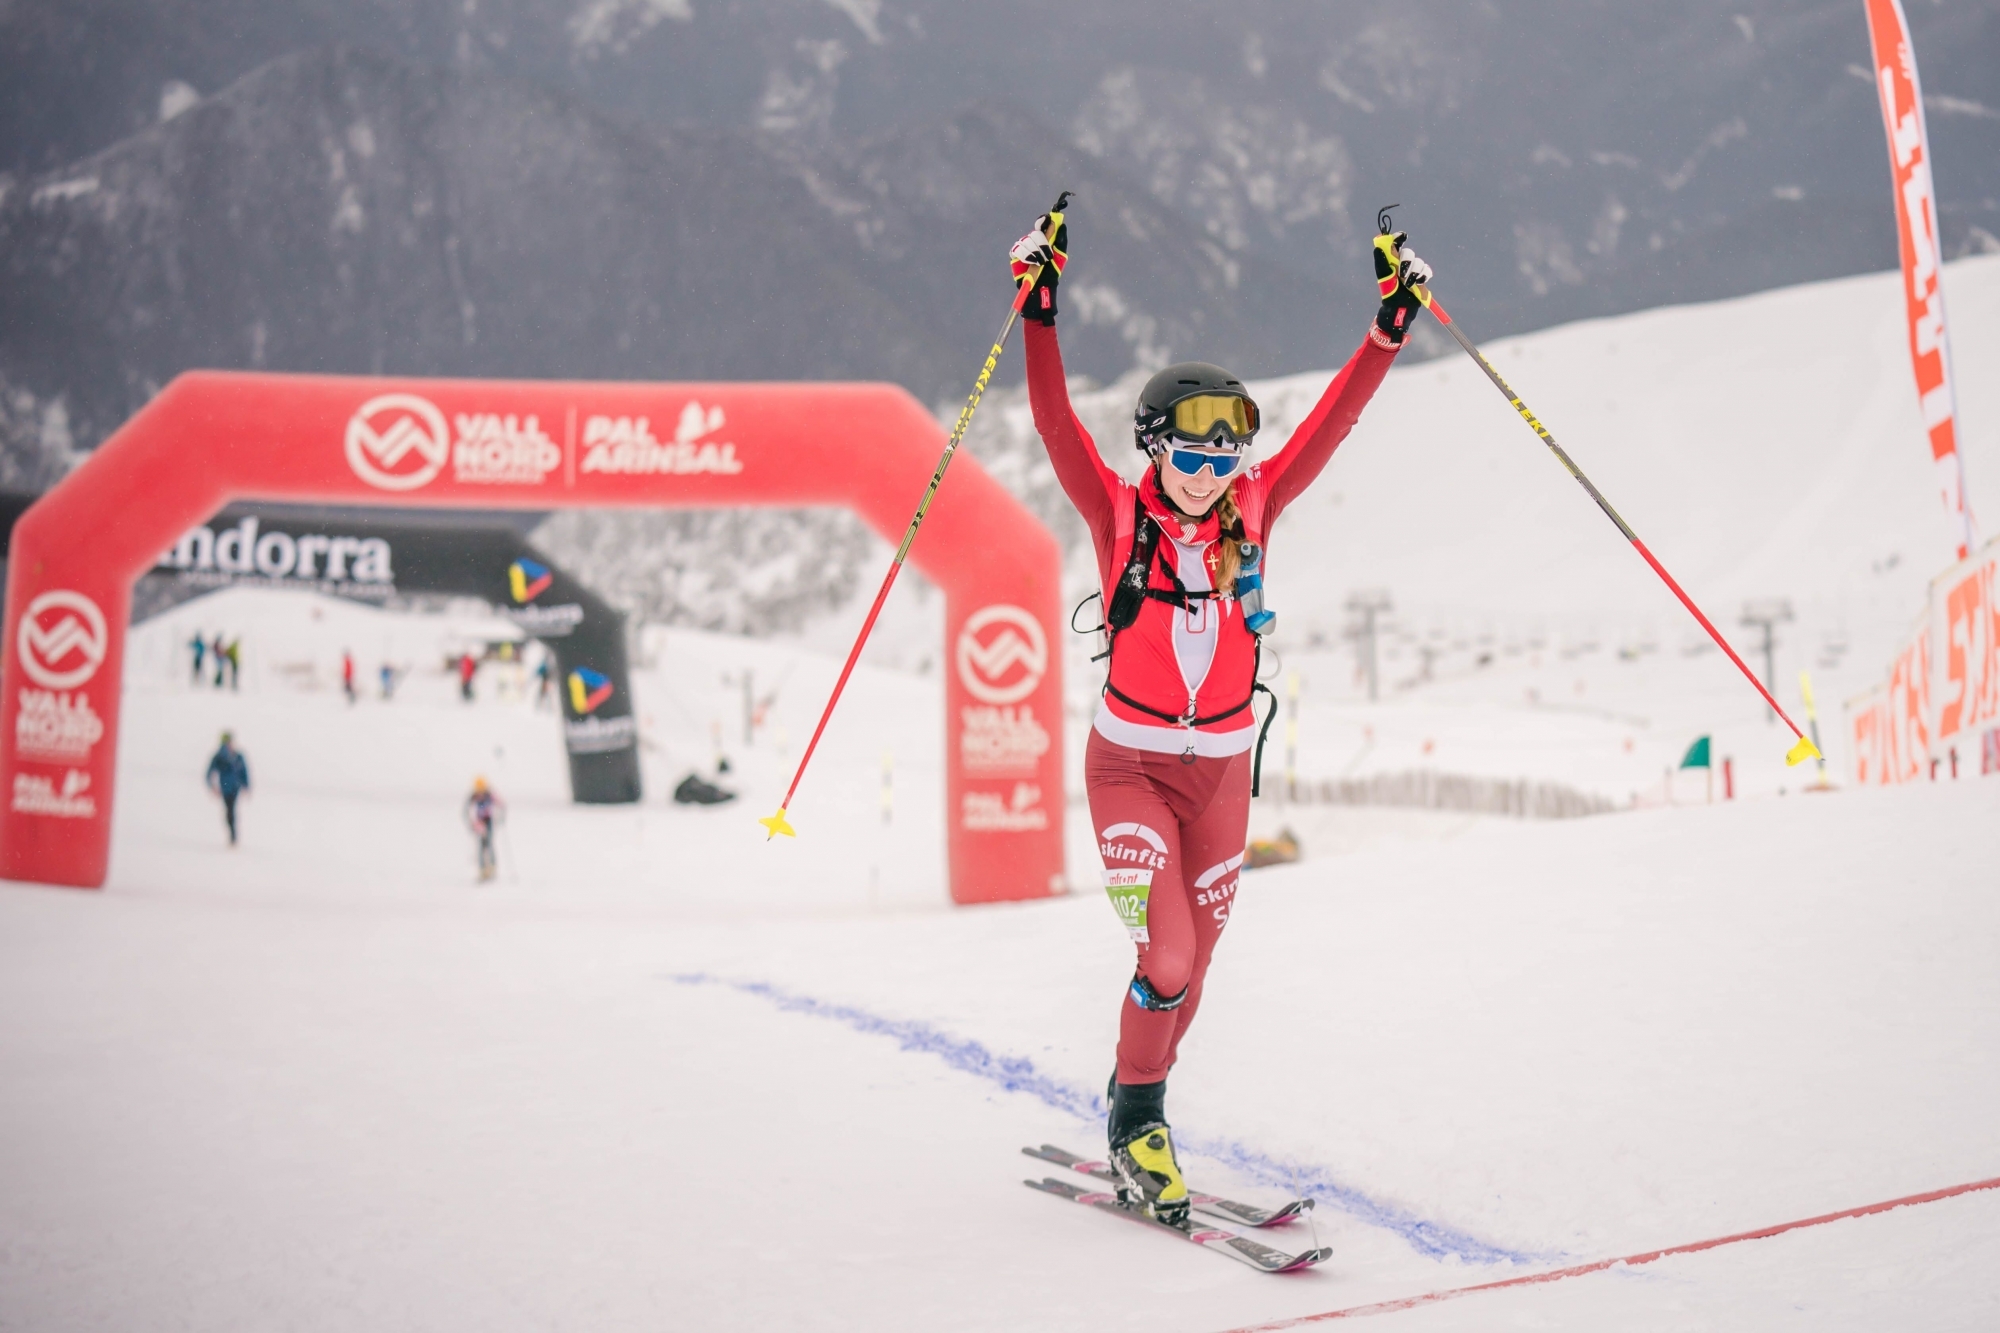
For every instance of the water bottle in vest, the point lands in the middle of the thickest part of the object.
(1250, 589)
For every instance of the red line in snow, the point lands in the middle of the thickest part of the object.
(1557, 1275)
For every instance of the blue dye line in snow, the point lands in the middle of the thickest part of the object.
(1018, 1074)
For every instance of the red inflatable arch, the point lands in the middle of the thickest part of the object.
(212, 437)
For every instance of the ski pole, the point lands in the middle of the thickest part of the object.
(1812, 719)
(1800, 752)
(776, 823)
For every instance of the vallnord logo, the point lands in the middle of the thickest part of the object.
(56, 725)
(399, 441)
(62, 639)
(1001, 740)
(388, 432)
(1001, 666)
(503, 449)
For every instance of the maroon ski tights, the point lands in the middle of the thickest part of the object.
(1177, 829)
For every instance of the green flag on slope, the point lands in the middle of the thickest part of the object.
(1697, 755)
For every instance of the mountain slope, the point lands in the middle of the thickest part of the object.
(337, 210)
(1568, 157)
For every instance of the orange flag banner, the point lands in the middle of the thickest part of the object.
(1917, 236)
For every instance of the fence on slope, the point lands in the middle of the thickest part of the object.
(1426, 789)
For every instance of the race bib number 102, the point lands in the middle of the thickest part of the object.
(1129, 890)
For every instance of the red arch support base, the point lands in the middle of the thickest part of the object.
(212, 437)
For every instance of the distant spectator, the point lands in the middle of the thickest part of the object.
(228, 777)
(215, 655)
(199, 648)
(545, 680)
(484, 809)
(234, 656)
(468, 667)
(347, 675)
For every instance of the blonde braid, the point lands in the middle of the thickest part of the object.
(1228, 516)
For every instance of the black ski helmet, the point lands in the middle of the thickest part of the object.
(1185, 379)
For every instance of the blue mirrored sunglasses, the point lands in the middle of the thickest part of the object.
(1189, 462)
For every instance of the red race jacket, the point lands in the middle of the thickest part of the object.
(1197, 661)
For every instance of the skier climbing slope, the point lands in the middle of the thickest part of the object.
(1168, 763)
(483, 811)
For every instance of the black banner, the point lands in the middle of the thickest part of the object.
(370, 559)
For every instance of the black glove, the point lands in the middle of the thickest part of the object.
(1039, 257)
(1397, 273)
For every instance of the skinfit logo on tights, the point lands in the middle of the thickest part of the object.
(1112, 847)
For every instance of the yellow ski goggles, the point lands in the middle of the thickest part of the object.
(1209, 416)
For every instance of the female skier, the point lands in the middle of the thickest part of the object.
(1179, 560)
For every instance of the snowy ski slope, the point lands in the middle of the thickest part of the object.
(662, 1074)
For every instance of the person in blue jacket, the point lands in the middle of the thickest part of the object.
(229, 777)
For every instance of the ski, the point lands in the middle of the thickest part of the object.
(1240, 1248)
(1249, 1214)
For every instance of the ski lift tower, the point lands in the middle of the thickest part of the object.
(1767, 614)
(1366, 607)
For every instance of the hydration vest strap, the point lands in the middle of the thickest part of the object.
(1133, 524)
(1178, 719)
(1178, 595)
(1103, 624)
(1257, 764)
(1135, 579)
(1182, 720)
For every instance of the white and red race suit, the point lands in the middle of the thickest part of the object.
(1171, 799)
